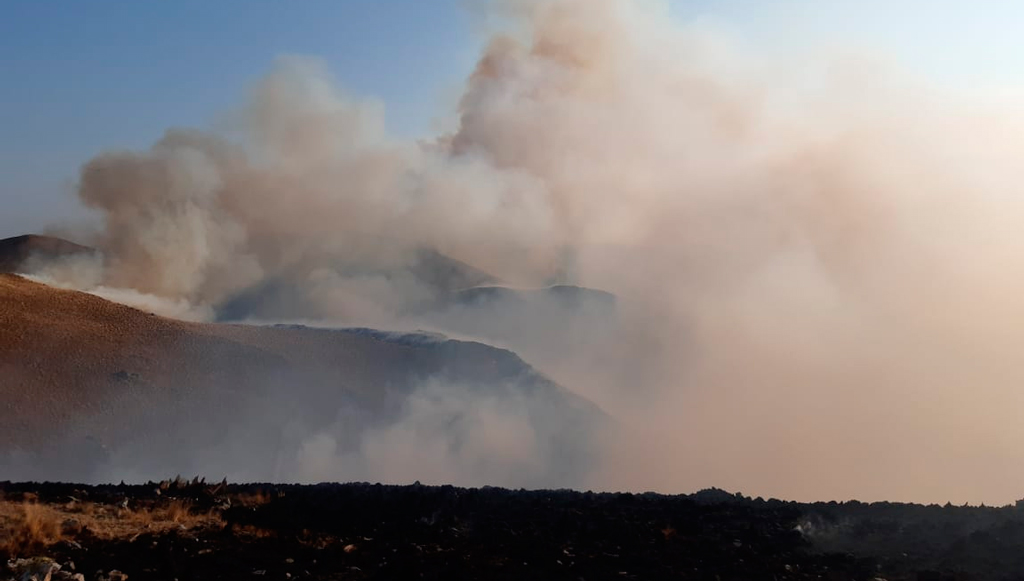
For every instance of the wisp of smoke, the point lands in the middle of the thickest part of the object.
(818, 279)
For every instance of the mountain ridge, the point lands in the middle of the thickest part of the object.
(80, 366)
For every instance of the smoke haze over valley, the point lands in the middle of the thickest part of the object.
(644, 257)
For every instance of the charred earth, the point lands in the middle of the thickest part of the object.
(192, 530)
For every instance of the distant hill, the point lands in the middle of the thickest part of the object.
(26, 253)
(82, 376)
(445, 294)
(427, 275)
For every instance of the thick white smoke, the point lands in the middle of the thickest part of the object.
(820, 276)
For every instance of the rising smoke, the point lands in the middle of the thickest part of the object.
(819, 278)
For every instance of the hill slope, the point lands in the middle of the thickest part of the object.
(152, 395)
(20, 253)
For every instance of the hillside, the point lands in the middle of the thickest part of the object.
(89, 382)
(21, 253)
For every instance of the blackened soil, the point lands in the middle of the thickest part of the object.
(364, 531)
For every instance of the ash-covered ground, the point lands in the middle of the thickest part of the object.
(194, 530)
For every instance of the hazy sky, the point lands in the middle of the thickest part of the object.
(81, 77)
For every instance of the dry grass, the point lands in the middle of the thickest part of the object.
(177, 511)
(254, 499)
(155, 518)
(29, 527)
(82, 508)
(254, 532)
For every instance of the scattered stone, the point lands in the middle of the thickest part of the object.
(124, 376)
(34, 569)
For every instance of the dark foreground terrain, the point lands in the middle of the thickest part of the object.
(192, 530)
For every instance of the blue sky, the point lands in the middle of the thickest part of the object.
(83, 76)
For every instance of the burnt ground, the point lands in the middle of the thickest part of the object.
(180, 530)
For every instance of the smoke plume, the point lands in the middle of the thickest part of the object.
(819, 277)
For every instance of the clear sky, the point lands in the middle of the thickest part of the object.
(79, 77)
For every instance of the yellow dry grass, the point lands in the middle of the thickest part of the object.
(29, 527)
(26, 527)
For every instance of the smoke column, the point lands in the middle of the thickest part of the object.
(820, 275)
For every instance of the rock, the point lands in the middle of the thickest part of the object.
(41, 569)
(34, 569)
(123, 376)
